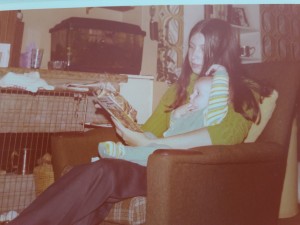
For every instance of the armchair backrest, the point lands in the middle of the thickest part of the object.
(285, 78)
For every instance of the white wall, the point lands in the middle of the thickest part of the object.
(192, 14)
(142, 102)
(140, 16)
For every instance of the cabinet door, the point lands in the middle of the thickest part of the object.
(11, 31)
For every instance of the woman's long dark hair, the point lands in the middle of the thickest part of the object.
(221, 47)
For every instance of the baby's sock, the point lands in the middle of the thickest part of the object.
(111, 149)
(137, 155)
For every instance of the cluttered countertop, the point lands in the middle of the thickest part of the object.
(58, 78)
(23, 111)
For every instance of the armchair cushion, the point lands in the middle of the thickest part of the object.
(185, 183)
(130, 211)
(266, 108)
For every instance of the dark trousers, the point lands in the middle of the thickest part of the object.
(85, 195)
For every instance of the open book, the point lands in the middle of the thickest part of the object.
(118, 107)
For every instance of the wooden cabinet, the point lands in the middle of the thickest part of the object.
(11, 31)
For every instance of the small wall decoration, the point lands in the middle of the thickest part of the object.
(170, 42)
(217, 11)
(238, 17)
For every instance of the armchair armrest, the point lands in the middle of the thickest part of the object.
(70, 149)
(204, 183)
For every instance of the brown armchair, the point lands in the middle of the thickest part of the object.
(239, 184)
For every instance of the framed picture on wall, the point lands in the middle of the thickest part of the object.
(238, 17)
(217, 11)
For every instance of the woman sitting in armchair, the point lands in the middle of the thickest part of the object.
(86, 194)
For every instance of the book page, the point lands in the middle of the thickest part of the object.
(118, 107)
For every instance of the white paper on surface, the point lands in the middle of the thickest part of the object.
(4, 54)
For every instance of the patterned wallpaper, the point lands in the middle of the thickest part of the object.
(170, 42)
(280, 30)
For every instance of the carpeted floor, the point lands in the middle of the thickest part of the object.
(291, 221)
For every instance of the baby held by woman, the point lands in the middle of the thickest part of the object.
(207, 106)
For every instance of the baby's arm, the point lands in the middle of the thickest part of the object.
(215, 68)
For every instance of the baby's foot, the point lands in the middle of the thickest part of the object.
(111, 149)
